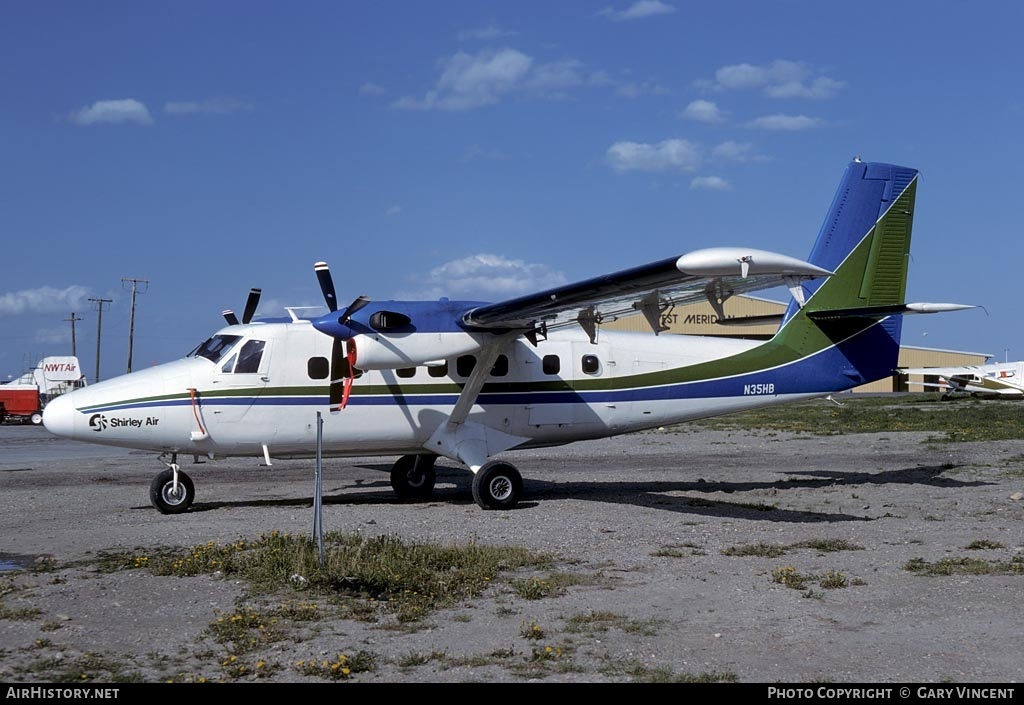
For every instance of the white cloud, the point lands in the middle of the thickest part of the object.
(113, 111)
(639, 10)
(784, 122)
(44, 299)
(471, 81)
(716, 183)
(671, 154)
(213, 106)
(779, 79)
(393, 210)
(485, 277)
(735, 152)
(702, 111)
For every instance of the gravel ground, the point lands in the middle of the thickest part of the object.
(640, 523)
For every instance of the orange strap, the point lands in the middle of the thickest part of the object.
(195, 408)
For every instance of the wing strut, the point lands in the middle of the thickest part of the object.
(467, 441)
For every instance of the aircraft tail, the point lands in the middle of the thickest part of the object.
(852, 319)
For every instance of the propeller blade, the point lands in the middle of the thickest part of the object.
(230, 317)
(250, 304)
(323, 275)
(356, 305)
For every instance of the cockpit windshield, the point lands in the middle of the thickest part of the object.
(213, 349)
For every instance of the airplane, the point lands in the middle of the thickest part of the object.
(1002, 379)
(472, 380)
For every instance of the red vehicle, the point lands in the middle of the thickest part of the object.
(20, 402)
(23, 399)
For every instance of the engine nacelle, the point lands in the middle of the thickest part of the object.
(387, 352)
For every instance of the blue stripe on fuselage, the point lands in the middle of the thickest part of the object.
(829, 370)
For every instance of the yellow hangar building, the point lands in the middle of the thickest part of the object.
(700, 319)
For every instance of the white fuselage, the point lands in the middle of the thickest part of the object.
(562, 390)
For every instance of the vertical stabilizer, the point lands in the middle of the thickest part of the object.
(865, 240)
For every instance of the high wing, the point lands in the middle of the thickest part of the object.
(712, 274)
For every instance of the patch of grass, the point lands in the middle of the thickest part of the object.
(600, 622)
(792, 578)
(341, 668)
(531, 630)
(774, 550)
(85, 668)
(833, 580)
(954, 421)
(676, 550)
(966, 566)
(18, 613)
(828, 545)
(764, 550)
(246, 629)
(983, 545)
(410, 580)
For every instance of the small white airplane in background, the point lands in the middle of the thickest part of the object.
(1005, 379)
(470, 380)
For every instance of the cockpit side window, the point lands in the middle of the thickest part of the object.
(213, 349)
(249, 357)
(226, 367)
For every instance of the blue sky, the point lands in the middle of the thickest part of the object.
(480, 150)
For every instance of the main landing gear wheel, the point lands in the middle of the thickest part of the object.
(413, 476)
(497, 485)
(164, 497)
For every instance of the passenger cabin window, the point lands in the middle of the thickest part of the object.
(318, 368)
(249, 357)
(464, 365)
(406, 372)
(552, 365)
(500, 368)
(591, 365)
(438, 370)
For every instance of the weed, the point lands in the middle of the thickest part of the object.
(531, 630)
(966, 566)
(982, 545)
(765, 550)
(341, 668)
(833, 580)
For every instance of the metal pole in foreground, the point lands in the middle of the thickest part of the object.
(318, 509)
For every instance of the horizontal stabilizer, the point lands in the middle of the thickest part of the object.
(890, 310)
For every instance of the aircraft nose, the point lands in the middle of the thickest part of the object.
(59, 416)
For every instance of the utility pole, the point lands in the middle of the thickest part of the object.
(99, 329)
(73, 319)
(131, 317)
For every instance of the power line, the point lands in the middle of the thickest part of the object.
(131, 317)
(99, 329)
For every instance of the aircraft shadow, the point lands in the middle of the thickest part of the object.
(454, 487)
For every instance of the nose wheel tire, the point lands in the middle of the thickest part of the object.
(497, 485)
(166, 498)
(413, 476)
